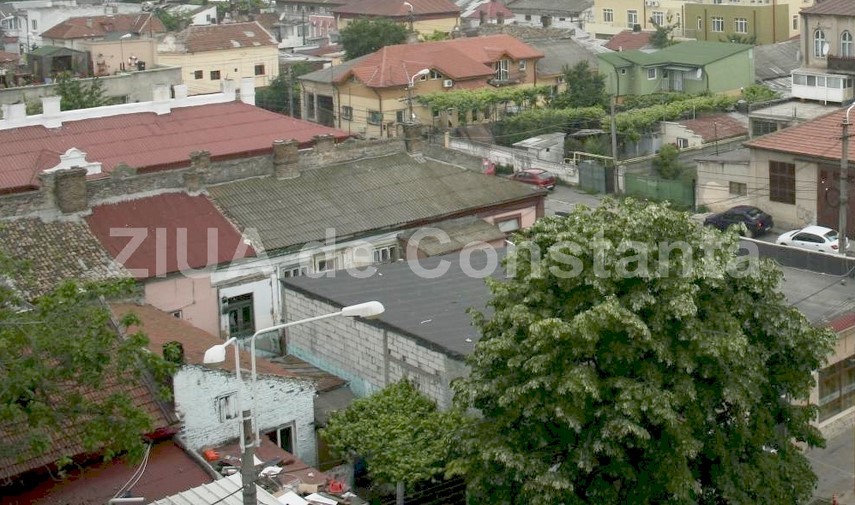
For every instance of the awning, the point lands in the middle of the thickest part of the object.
(680, 68)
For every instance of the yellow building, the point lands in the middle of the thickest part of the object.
(775, 20)
(370, 96)
(209, 54)
(421, 16)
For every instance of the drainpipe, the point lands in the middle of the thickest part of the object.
(774, 30)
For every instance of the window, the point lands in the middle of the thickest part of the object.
(325, 264)
(259, 69)
(177, 314)
(399, 116)
(528, 17)
(740, 25)
(522, 65)
(508, 225)
(846, 44)
(836, 388)
(682, 143)
(631, 18)
(819, 43)
(434, 75)
(700, 23)
(782, 182)
(375, 117)
(717, 24)
(502, 72)
(386, 254)
(608, 16)
(215, 75)
(651, 73)
(310, 106)
(199, 74)
(738, 188)
(241, 315)
(35, 24)
(795, 22)
(295, 271)
(227, 408)
(760, 127)
(623, 71)
(347, 112)
(658, 18)
(284, 438)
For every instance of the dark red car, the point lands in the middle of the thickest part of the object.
(536, 176)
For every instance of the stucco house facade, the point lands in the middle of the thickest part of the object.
(370, 95)
(689, 67)
(73, 32)
(423, 17)
(210, 54)
(827, 46)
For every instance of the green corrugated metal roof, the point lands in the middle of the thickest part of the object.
(53, 50)
(359, 197)
(696, 52)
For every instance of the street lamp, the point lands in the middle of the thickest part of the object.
(122, 50)
(410, 85)
(249, 436)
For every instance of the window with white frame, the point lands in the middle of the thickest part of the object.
(717, 24)
(700, 23)
(375, 117)
(682, 143)
(227, 407)
(631, 18)
(522, 65)
(795, 22)
(502, 72)
(737, 188)
(819, 43)
(740, 25)
(608, 15)
(658, 18)
(347, 112)
(846, 44)
(434, 75)
(325, 264)
(651, 73)
(507, 225)
(295, 271)
(284, 437)
(386, 254)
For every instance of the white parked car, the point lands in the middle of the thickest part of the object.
(812, 238)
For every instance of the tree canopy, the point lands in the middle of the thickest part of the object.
(364, 36)
(667, 163)
(54, 352)
(78, 95)
(399, 432)
(585, 88)
(639, 361)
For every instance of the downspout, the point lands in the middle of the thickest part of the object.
(382, 118)
(774, 30)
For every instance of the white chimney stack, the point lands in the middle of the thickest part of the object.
(51, 111)
(160, 98)
(247, 90)
(228, 88)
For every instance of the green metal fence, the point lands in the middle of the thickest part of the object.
(656, 188)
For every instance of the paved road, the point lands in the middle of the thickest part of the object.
(564, 198)
(834, 466)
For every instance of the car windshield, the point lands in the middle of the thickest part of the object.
(831, 236)
(543, 175)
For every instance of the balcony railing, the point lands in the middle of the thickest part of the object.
(845, 64)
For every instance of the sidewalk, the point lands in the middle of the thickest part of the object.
(834, 466)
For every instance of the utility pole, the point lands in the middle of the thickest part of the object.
(843, 210)
(247, 461)
(290, 91)
(613, 126)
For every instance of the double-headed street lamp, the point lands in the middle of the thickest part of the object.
(249, 435)
(424, 71)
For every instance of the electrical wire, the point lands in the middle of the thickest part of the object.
(138, 473)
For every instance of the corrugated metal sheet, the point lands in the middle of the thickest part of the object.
(226, 491)
(397, 8)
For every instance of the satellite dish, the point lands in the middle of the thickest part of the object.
(825, 48)
(699, 73)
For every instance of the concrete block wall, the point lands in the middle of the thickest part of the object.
(366, 354)
(279, 401)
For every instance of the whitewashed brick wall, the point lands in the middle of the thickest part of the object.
(280, 400)
(365, 354)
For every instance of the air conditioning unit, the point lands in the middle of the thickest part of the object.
(447, 83)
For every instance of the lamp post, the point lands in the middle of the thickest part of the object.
(122, 49)
(843, 210)
(410, 86)
(249, 435)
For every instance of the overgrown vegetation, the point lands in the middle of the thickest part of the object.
(77, 94)
(364, 36)
(759, 93)
(585, 88)
(276, 98)
(664, 34)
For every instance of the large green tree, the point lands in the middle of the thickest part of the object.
(585, 88)
(614, 371)
(54, 353)
(76, 94)
(364, 36)
(399, 432)
(277, 98)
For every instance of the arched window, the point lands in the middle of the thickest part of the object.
(818, 43)
(846, 45)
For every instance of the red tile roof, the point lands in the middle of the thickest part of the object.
(202, 38)
(715, 127)
(491, 9)
(843, 322)
(832, 7)
(169, 471)
(397, 8)
(175, 230)
(628, 40)
(458, 59)
(818, 138)
(100, 26)
(162, 328)
(149, 141)
(6, 57)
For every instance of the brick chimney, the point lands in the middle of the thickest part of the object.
(69, 189)
(500, 18)
(324, 143)
(413, 138)
(286, 159)
(195, 178)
